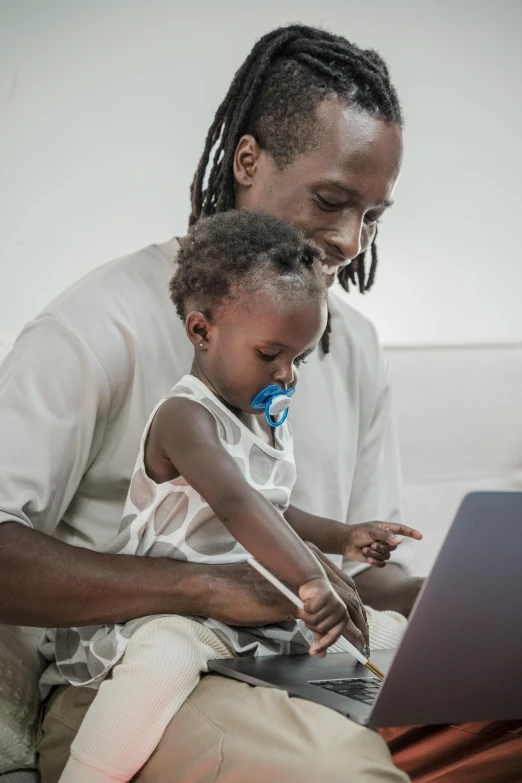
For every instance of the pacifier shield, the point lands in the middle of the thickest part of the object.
(275, 401)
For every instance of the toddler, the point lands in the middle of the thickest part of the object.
(212, 484)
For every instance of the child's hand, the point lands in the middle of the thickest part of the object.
(372, 542)
(324, 613)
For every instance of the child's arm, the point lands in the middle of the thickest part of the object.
(185, 434)
(370, 542)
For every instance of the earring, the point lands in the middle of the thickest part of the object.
(201, 345)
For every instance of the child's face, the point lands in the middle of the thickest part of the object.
(258, 342)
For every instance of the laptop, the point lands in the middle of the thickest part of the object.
(461, 656)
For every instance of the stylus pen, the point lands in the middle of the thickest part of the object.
(297, 601)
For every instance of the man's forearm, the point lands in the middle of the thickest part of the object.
(44, 582)
(47, 583)
(388, 588)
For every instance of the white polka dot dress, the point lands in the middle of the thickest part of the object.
(172, 520)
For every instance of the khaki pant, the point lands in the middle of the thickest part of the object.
(229, 732)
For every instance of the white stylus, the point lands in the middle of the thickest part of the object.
(297, 601)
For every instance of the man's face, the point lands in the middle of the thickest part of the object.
(335, 193)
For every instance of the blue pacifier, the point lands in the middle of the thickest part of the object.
(274, 400)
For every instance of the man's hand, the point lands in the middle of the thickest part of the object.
(239, 595)
(373, 542)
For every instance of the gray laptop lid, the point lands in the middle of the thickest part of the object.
(461, 656)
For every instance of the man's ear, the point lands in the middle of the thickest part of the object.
(198, 328)
(245, 160)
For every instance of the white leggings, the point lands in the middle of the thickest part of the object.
(158, 672)
(160, 669)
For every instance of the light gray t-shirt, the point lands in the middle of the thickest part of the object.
(79, 386)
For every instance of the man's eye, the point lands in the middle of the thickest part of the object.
(267, 357)
(328, 206)
(298, 362)
(372, 221)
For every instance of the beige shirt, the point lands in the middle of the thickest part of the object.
(84, 376)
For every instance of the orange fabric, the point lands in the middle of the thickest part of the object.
(464, 753)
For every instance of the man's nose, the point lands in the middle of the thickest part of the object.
(347, 239)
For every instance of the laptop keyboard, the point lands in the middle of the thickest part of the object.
(364, 689)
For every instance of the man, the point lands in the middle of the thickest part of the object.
(310, 131)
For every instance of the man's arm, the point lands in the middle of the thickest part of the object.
(44, 582)
(54, 403)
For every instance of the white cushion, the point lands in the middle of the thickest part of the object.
(20, 669)
(459, 423)
(21, 776)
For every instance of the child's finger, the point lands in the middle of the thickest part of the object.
(401, 530)
(321, 645)
(315, 619)
(327, 617)
(327, 624)
(317, 638)
(381, 547)
(380, 534)
(316, 603)
(377, 563)
(369, 552)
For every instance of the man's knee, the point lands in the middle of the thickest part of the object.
(357, 756)
(229, 731)
(329, 747)
(63, 717)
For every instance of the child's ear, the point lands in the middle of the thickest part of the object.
(198, 327)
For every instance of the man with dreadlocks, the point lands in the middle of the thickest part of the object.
(309, 131)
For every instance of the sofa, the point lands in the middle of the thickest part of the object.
(459, 422)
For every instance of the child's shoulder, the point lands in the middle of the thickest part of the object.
(183, 408)
(191, 409)
(189, 387)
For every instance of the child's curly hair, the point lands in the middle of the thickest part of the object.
(225, 250)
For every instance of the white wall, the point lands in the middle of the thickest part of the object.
(104, 105)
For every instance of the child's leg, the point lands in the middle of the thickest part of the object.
(127, 719)
(386, 628)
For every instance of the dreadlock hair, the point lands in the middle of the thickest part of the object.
(273, 97)
(241, 251)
